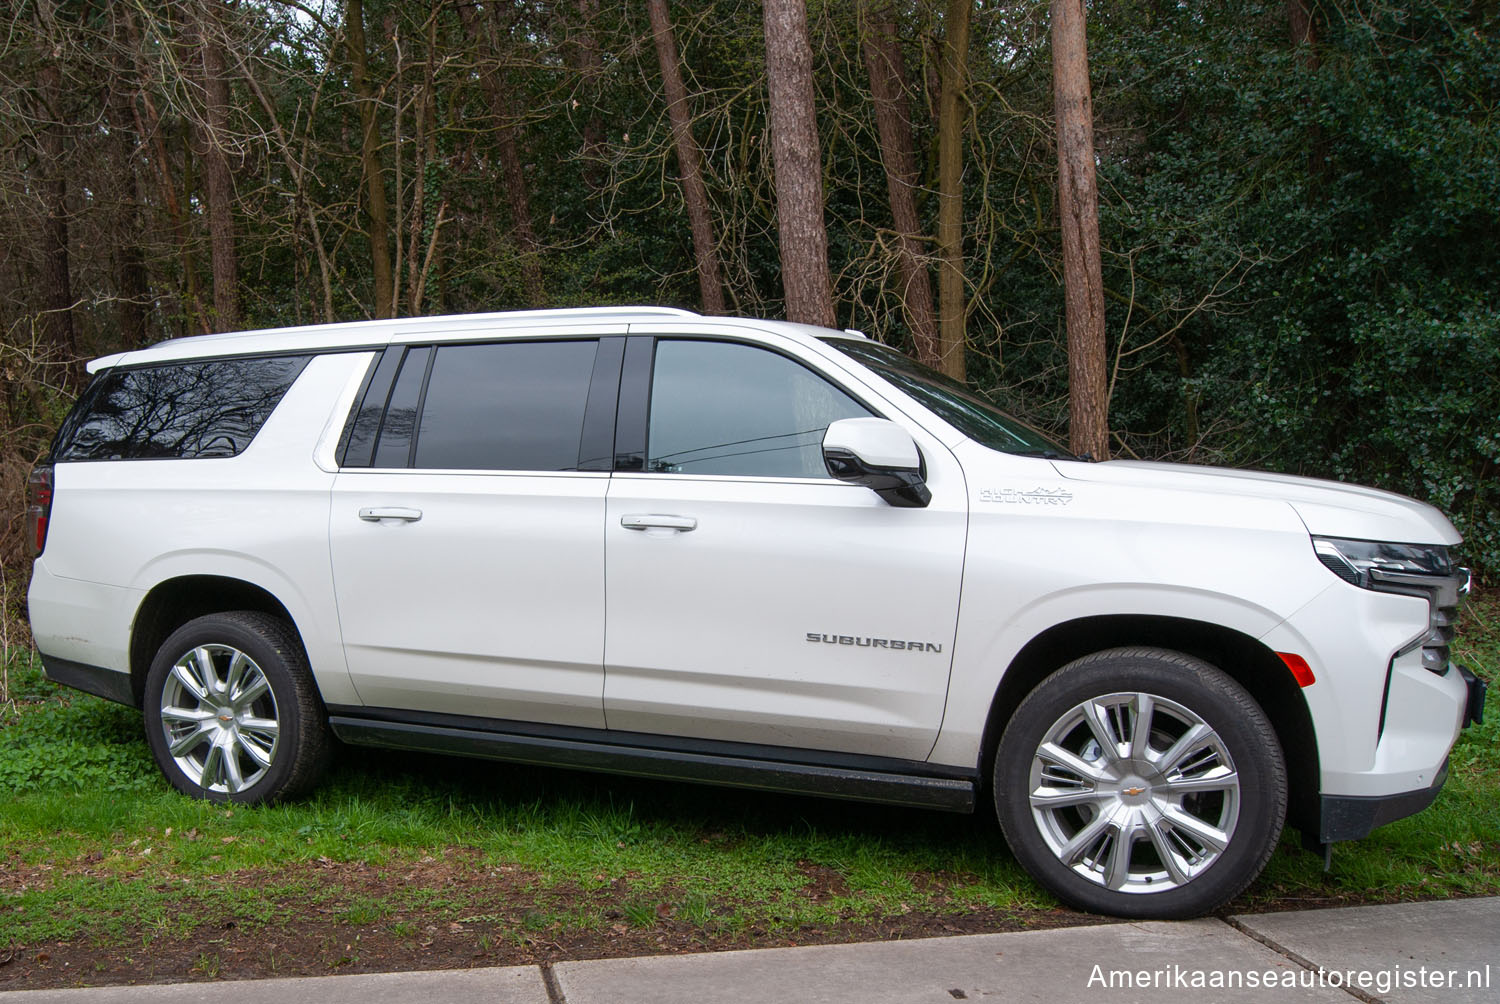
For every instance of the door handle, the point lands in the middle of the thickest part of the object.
(376, 514)
(651, 521)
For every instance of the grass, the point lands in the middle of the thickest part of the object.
(95, 845)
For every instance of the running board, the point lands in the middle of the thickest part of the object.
(861, 785)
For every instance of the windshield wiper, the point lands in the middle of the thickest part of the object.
(1048, 455)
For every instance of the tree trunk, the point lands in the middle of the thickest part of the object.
(887, 71)
(131, 292)
(798, 165)
(425, 143)
(1299, 18)
(374, 174)
(952, 110)
(590, 67)
(218, 180)
(1304, 36)
(510, 157)
(56, 279)
(1078, 208)
(153, 137)
(710, 286)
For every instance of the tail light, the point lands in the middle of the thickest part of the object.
(38, 508)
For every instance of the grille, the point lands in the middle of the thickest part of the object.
(1443, 595)
(1435, 649)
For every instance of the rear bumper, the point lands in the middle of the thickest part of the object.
(1352, 817)
(105, 683)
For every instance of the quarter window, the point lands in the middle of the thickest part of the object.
(178, 411)
(726, 408)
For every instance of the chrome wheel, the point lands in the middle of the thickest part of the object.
(1134, 792)
(219, 718)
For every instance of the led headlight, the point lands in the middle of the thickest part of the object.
(1355, 560)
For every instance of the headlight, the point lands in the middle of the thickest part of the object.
(1354, 560)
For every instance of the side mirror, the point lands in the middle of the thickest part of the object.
(880, 455)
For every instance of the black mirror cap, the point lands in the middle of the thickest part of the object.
(902, 487)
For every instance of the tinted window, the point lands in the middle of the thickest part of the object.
(509, 406)
(178, 411)
(364, 422)
(722, 408)
(394, 448)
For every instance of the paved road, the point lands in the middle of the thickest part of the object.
(1440, 952)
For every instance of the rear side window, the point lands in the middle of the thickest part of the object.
(508, 406)
(500, 406)
(177, 411)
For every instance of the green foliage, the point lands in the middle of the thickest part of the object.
(68, 742)
(1313, 246)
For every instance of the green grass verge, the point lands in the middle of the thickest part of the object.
(94, 844)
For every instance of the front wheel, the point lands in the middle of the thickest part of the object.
(1141, 783)
(232, 713)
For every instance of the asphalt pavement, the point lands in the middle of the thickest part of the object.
(1414, 952)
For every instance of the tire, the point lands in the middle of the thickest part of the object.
(1172, 826)
(232, 713)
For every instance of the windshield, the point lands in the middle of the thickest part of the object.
(954, 403)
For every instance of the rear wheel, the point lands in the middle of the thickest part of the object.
(1142, 783)
(232, 714)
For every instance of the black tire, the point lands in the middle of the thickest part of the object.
(1230, 782)
(217, 711)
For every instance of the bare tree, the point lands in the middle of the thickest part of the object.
(51, 145)
(798, 165)
(503, 111)
(154, 133)
(590, 71)
(374, 173)
(212, 133)
(1078, 208)
(952, 111)
(124, 193)
(887, 70)
(694, 193)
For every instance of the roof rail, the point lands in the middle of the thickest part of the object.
(620, 310)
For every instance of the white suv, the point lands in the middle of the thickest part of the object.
(743, 552)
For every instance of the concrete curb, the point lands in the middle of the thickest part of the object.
(1416, 952)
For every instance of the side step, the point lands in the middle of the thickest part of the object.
(952, 794)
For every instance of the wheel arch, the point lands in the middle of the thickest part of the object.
(1246, 660)
(173, 602)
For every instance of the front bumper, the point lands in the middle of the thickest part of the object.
(1474, 710)
(1352, 817)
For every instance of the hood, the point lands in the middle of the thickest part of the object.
(1326, 508)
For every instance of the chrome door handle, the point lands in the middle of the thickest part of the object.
(376, 514)
(650, 521)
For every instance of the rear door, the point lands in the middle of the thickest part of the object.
(751, 597)
(467, 529)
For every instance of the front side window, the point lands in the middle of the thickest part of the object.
(731, 409)
(176, 411)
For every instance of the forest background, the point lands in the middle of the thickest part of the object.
(1298, 202)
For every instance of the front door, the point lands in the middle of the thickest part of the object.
(752, 598)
